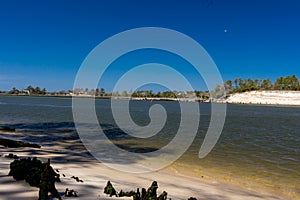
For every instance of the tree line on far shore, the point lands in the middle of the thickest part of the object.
(244, 85)
(230, 86)
(29, 91)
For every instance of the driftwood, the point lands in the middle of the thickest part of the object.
(37, 174)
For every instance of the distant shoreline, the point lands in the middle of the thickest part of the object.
(114, 97)
(257, 97)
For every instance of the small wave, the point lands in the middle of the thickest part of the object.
(45, 126)
(40, 105)
(54, 106)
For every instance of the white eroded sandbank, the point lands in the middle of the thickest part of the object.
(272, 97)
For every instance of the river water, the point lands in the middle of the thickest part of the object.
(259, 146)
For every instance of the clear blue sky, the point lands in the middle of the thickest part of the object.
(44, 42)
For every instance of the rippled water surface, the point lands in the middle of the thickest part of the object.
(259, 145)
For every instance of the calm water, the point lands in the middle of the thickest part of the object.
(259, 145)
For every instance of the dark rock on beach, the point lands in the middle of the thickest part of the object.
(37, 174)
(71, 193)
(77, 179)
(15, 144)
(47, 183)
(12, 156)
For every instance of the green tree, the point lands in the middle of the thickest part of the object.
(168, 94)
(236, 81)
(30, 89)
(92, 92)
(37, 90)
(292, 82)
(43, 92)
(124, 93)
(102, 92)
(228, 86)
(250, 85)
(218, 92)
(279, 83)
(97, 92)
(158, 94)
(258, 84)
(266, 84)
(14, 91)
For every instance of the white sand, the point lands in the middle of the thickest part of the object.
(266, 97)
(95, 175)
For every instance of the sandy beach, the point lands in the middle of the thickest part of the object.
(266, 97)
(95, 175)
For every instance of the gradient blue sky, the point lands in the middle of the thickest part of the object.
(44, 42)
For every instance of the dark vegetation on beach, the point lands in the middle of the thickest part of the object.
(149, 194)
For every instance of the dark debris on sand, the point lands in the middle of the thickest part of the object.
(77, 179)
(71, 193)
(12, 156)
(150, 194)
(37, 174)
